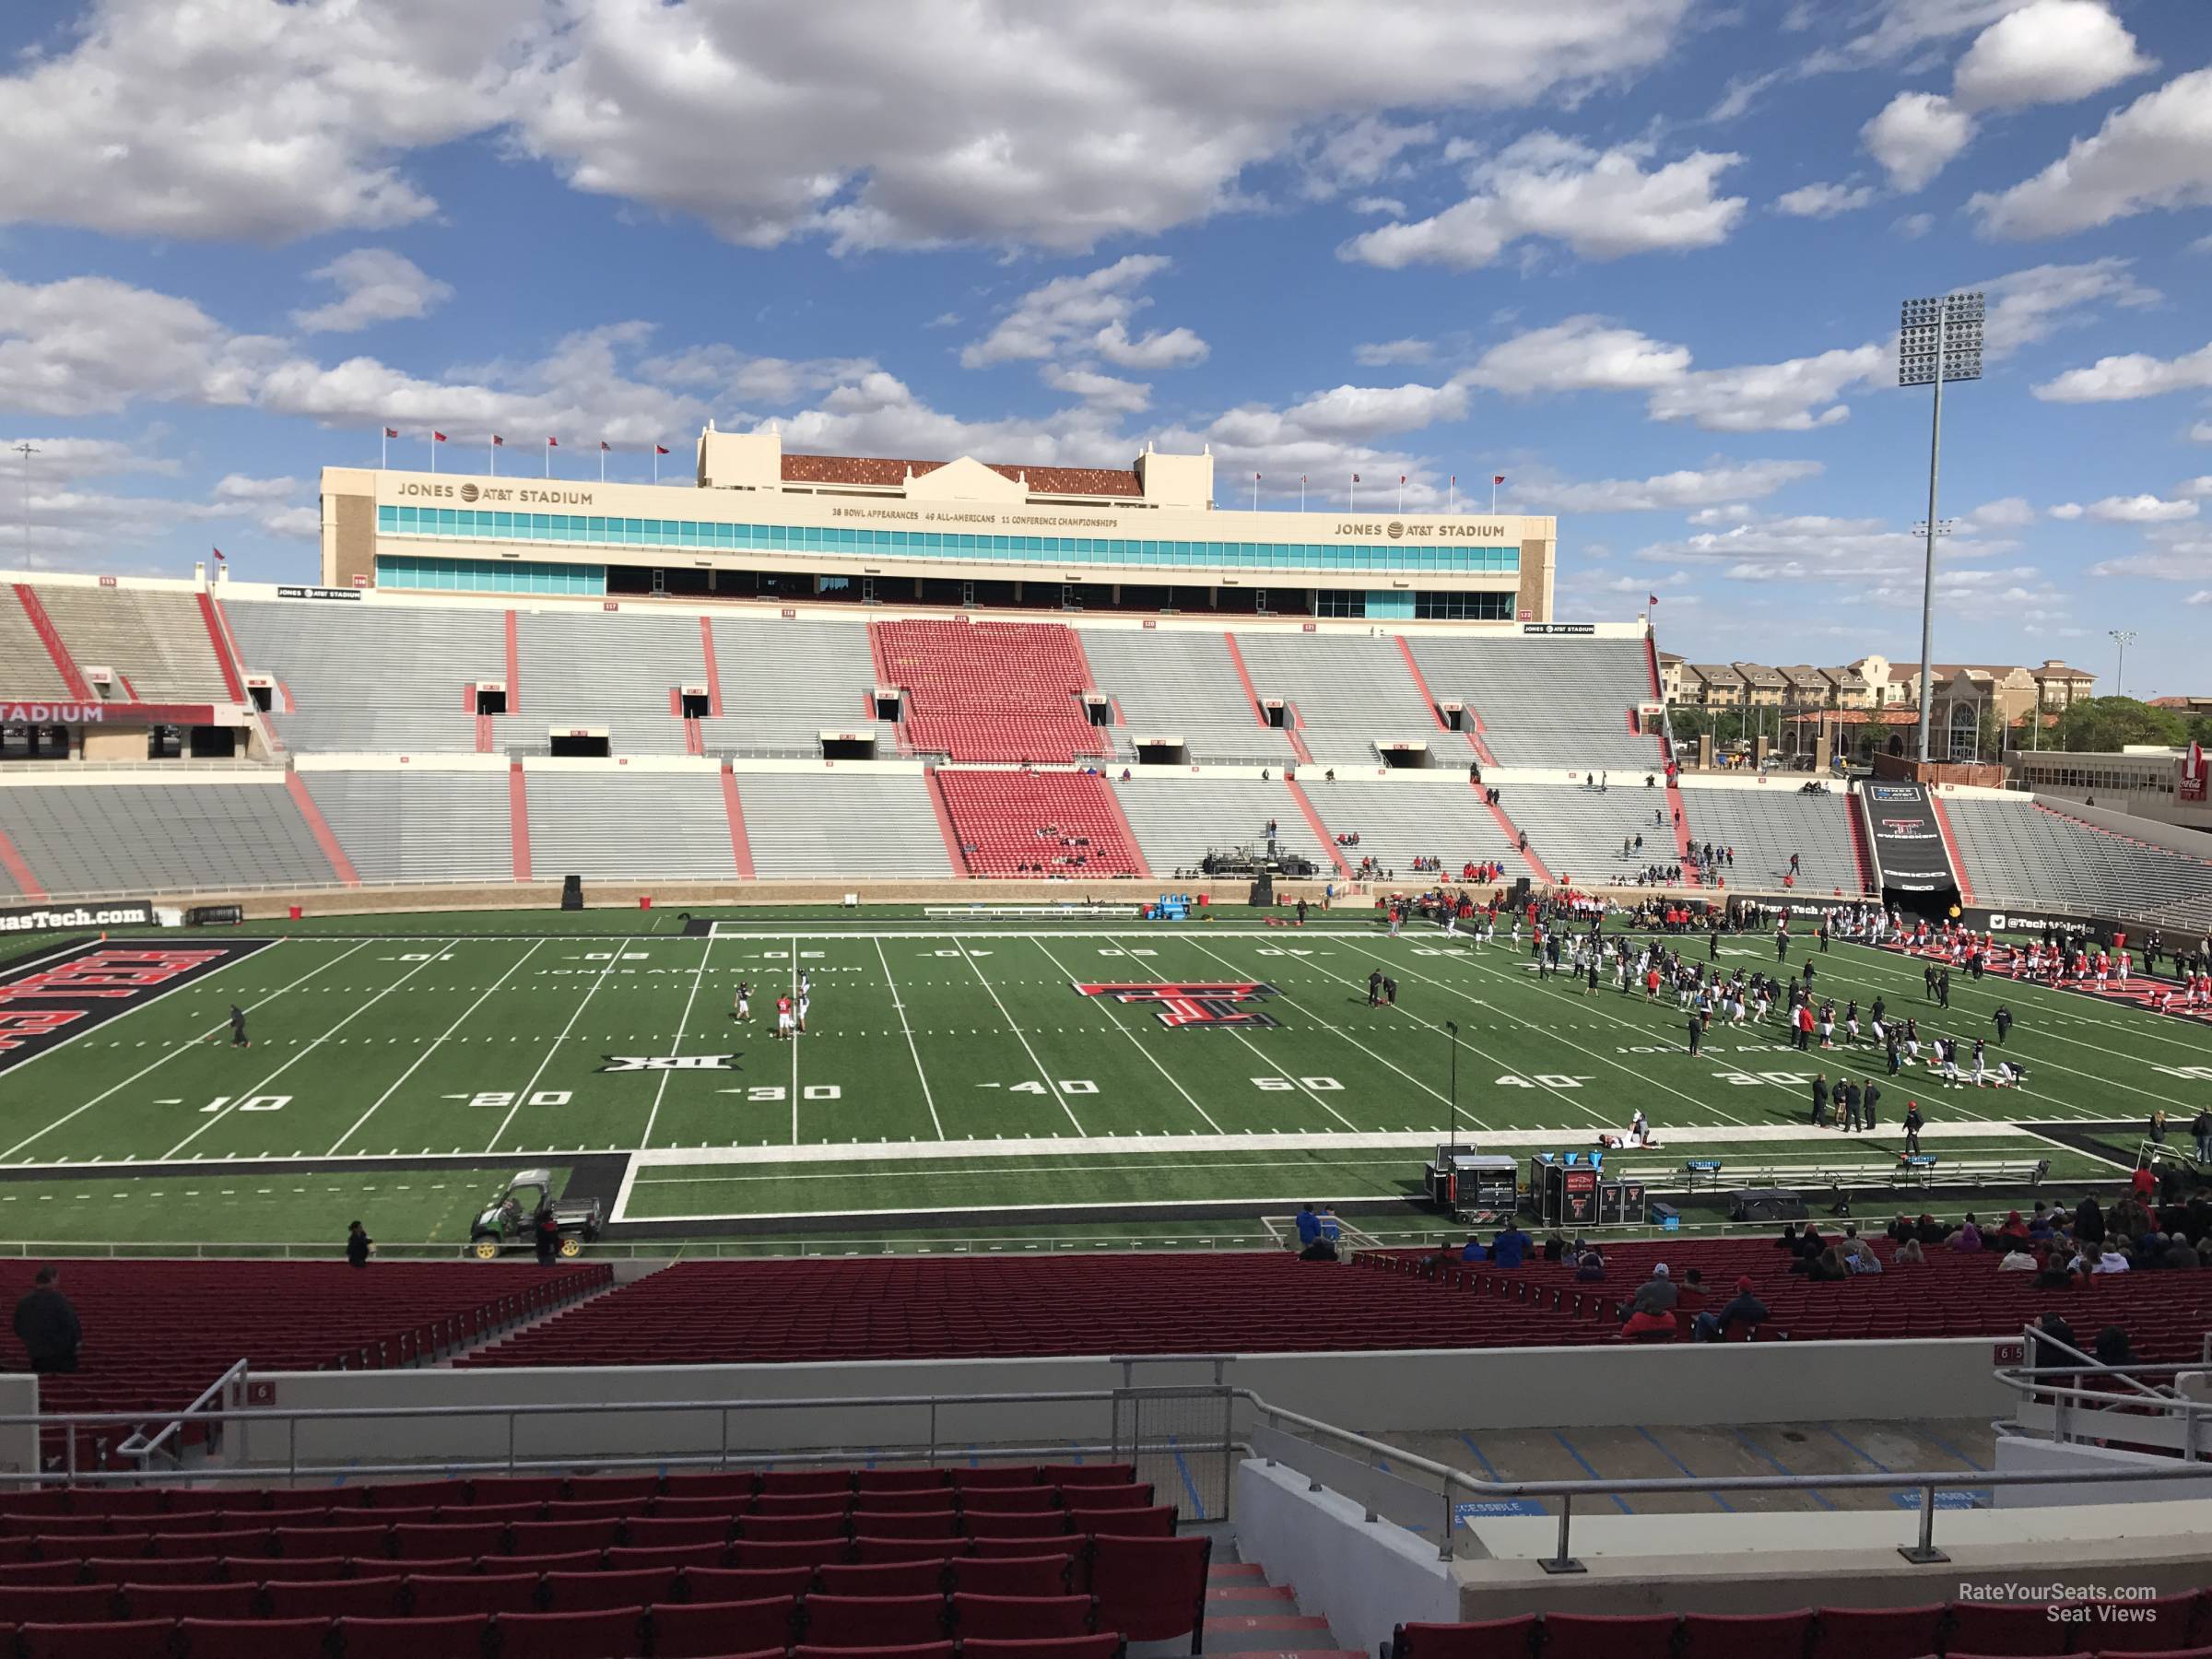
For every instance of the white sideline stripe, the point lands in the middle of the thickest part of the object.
(1323, 1140)
(1297, 1195)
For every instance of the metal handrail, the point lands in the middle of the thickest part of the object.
(137, 1445)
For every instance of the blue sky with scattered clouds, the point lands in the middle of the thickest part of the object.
(1642, 256)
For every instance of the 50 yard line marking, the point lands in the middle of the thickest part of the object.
(304, 1050)
(183, 1048)
(928, 1099)
(792, 986)
(431, 1048)
(676, 1046)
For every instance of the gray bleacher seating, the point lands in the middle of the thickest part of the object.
(8, 889)
(612, 824)
(1548, 701)
(156, 639)
(1179, 683)
(26, 668)
(1577, 831)
(2023, 851)
(144, 840)
(832, 823)
(415, 824)
(786, 681)
(1352, 691)
(1178, 818)
(1399, 819)
(372, 678)
(586, 668)
(1765, 824)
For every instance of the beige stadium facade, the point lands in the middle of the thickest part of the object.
(759, 523)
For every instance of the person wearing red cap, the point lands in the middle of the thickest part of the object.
(1744, 1306)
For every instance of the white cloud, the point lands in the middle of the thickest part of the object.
(1898, 28)
(1355, 154)
(239, 486)
(2172, 552)
(2202, 596)
(1390, 206)
(2050, 52)
(1915, 137)
(1823, 201)
(2026, 306)
(2201, 432)
(2154, 153)
(1101, 391)
(375, 285)
(92, 346)
(1671, 491)
(2196, 490)
(1796, 396)
(2006, 513)
(2067, 510)
(1378, 354)
(722, 371)
(2140, 509)
(248, 119)
(1913, 226)
(1090, 313)
(1603, 205)
(1580, 354)
(2136, 374)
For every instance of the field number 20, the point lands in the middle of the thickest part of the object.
(543, 1097)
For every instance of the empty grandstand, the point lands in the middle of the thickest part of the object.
(990, 690)
(843, 822)
(1179, 819)
(1398, 820)
(1343, 696)
(1766, 827)
(783, 683)
(419, 823)
(1181, 684)
(140, 833)
(592, 820)
(158, 642)
(2019, 852)
(1548, 701)
(373, 678)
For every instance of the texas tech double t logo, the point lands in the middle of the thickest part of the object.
(1216, 1004)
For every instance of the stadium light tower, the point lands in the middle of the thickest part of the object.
(26, 450)
(1452, 1026)
(1938, 340)
(2123, 638)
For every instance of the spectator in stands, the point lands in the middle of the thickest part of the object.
(2088, 1222)
(1899, 1230)
(2179, 1253)
(1744, 1307)
(2200, 1130)
(357, 1245)
(1589, 1264)
(1472, 1251)
(1967, 1239)
(1510, 1246)
(1322, 1249)
(1331, 1229)
(1931, 1231)
(46, 1324)
(1309, 1226)
(2014, 1231)
(2043, 1352)
(1690, 1294)
(1658, 1294)
(1826, 1266)
(1555, 1247)
(2111, 1258)
(2017, 1259)
(2039, 1225)
(2114, 1348)
(1911, 1254)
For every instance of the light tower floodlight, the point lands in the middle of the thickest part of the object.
(1939, 339)
(2123, 638)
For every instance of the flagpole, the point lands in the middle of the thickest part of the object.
(1352, 496)
(1256, 492)
(1301, 492)
(602, 462)
(492, 449)
(433, 452)
(383, 453)
(1401, 492)
(1455, 508)
(1493, 495)
(656, 460)
(548, 457)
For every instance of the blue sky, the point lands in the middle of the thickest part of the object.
(1642, 256)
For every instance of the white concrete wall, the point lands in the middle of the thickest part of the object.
(1364, 1577)
(2017, 1454)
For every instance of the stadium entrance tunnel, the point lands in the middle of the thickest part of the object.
(215, 743)
(1162, 751)
(848, 746)
(1401, 757)
(1937, 905)
(580, 746)
(491, 700)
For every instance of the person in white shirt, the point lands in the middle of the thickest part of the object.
(2016, 1261)
(2111, 1261)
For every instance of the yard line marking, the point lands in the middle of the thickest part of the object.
(1073, 1168)
(677, 1046)
(1601, 1059)
(181, 1048)
(1340, 1032)
(305, 1049)
(920, 1074)
(1141, 1049)
(793, 986)
(433, 1049)
(528, 1088)
(1042, 1077)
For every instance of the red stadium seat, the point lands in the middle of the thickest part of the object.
(879, 1551)
(567, 1560)
(745, 1584)
(1088, 1475)
(40, 1572)
(918, 1500)
(1020, 1546)
(516, 1488)
(630, 1491)
(1152, 1589)
(884, 1578)
(1019, 1524)
(436, 1595)
(609, 1633)
(461, 1636)
(595, 1592)
(552, 1538)
(131, 1639)
(942, 1524)
(1609, 1636)
(1107, 1646)
(799, 1503)
(920, 1650)
(1156, 1523)
(335, 1598)
(2171, 1621)
(1988, 1628)
(1022, 1615)
(56, 1603)
(414, 1494)
(774, 1529)
(1013, 1500)
(1878, 1632)
(1746, 1635)
(329, 1540)
(438, 1541)
(867, 1481)
(254, 1638)
(1116, 1494)
(729, 1483)
(1482, 1639)
(786, 1481)
(752, 1552)
(153, 1570)
(873, 1621)
(1012, 1575)
(673, 1554)
(192, 1601)
(704, 1629)
(994, 1476)
(650, 1532)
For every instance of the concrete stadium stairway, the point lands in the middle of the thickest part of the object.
(1246, 1614)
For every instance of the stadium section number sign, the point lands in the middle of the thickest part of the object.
(1179, 1007)
(46, 1002)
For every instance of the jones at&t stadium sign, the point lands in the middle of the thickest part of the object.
(51, 713)
(518, 495)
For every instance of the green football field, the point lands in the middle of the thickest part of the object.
(949, 1070)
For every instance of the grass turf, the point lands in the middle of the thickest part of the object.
(498, 1039)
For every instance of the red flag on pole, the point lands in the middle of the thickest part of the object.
(660, 449)
(219, 555)
(603, 444)
(437, 437)
(1497, 478)
(1355, 478)
(552, 443)
(498, 441)
(391, 431)
(1654, 599)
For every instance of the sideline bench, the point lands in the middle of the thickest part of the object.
(1702, 1175)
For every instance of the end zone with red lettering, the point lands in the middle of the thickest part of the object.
(56, 997)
